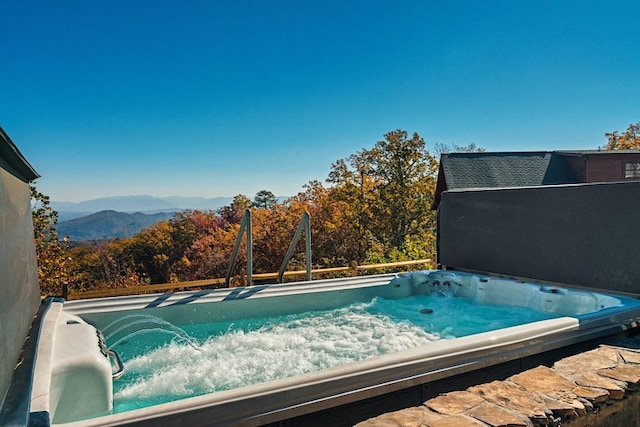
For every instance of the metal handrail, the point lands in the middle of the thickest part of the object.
(119, 372)
(245, 224)
(305, 224)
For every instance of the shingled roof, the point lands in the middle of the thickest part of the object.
(508, 169)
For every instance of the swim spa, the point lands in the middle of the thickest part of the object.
(100, 362)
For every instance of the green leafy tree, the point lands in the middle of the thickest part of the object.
(354, 193)
(629, 140)
(387, 190)
(406, 180)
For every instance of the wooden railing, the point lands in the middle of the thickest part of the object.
(352, 270)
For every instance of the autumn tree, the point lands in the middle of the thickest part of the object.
(629, 140)
(335, 235)
(232, 213)
(55, 267)
(207, 254)
(105, 265)
(157, 249)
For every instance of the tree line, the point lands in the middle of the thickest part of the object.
(373, 207)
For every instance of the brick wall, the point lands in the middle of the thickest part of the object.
(609, 168)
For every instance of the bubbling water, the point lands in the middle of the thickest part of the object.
(139, 324)
(261, 350)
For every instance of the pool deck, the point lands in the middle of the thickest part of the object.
(595, 388)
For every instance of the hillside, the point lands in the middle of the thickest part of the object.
(108, 224)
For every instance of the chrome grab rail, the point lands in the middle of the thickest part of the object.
(119, 365)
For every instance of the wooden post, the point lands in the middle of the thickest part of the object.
(354, 268)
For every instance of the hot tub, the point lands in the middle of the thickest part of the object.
(76, 367)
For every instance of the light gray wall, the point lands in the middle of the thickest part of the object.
(19, 291)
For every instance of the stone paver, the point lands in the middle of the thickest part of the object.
(593, 395)
(560, 408)
(589, 361)
(616, 389)
(453, 403)
(457, 421)
(629, 356)
(576, 391)
(514, 397)
(411, 417)
(495, 416)
(626, 373)
(545, 381)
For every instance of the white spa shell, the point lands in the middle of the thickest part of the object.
(73, 377)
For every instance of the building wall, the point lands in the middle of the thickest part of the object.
(585, 235)
(578, 165)
(20, 294)
(609, 167)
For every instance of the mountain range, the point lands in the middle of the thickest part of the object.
(124, 216)
(131, 204)
(108, 224)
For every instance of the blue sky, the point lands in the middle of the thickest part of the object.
(217, 98)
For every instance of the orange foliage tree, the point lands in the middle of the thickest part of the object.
(55, 266)
(629, 140)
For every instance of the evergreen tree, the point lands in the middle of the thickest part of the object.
(264, 199)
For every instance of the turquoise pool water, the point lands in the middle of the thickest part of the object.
(164, 366)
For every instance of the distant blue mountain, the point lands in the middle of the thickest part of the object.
(144, 203)
(124, 216)
(105, 225)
